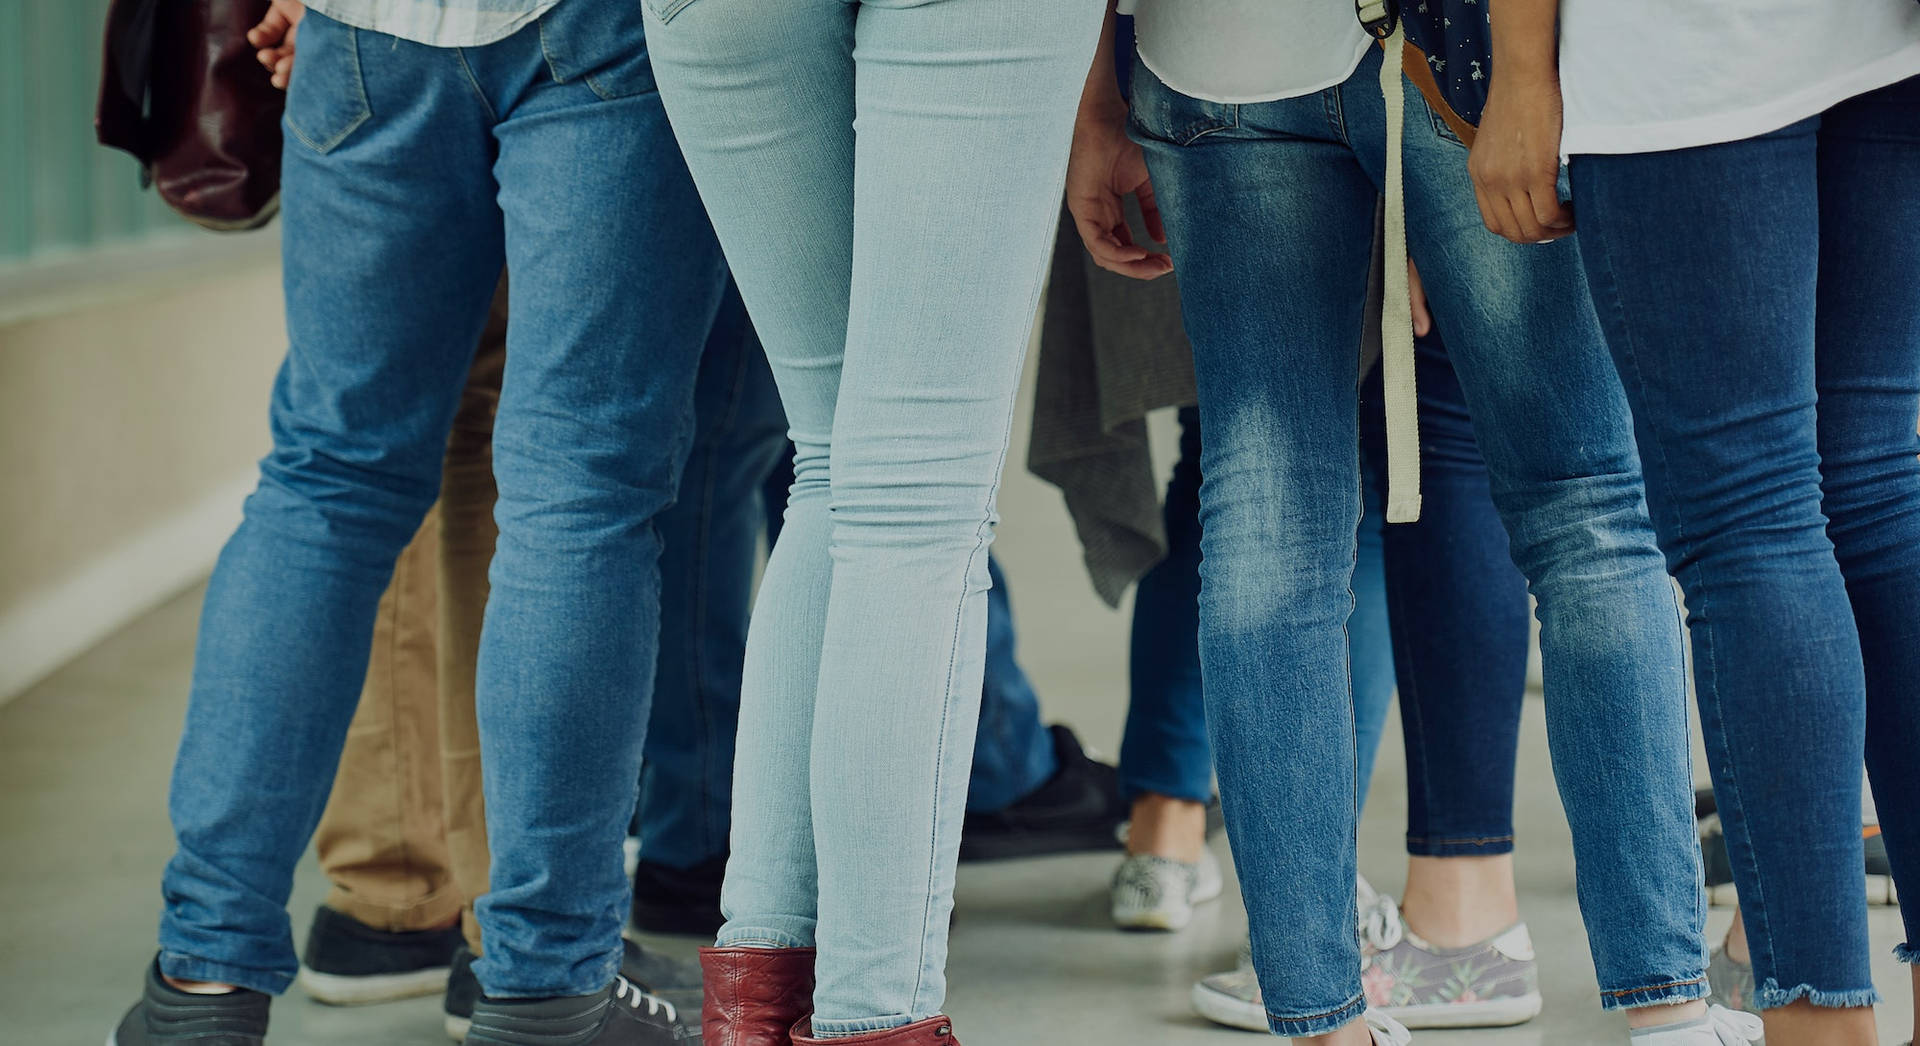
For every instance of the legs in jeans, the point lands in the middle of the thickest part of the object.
(711, 537)
(1013, 753)
(1256, 196)
(863, 667)
(1777, 418)
(391, 258)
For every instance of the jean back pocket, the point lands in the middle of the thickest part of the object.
(327, 100)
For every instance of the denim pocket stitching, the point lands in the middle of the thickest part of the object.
(358, 82)
(665, 11)
(1439, 122)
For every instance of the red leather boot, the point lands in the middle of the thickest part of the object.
(754, 995)
(934, 1031)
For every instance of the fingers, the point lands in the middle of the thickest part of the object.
(1422, 317)
(1551, 212)
(283, 71)
(1105, 235)
(271, 31)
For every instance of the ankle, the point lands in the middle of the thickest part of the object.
(199, 987)
(1736, 942)
(1354, 1034)
(1673, 1013)
(1453, 902)
(1163, 826)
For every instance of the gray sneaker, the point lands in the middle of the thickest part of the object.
(1158, 893)
(1491, 984)
(1731, 982)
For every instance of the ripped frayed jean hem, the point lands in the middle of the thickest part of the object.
(1769, 995)
(1907, 953)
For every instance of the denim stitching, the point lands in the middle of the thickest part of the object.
(359, 81)
(1702, 979)
(460, 53)
(1357, 1000)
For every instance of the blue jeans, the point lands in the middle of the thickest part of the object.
(1270, 211)
(711, 537)
(1777, 413)
(1164, 750)
(1459, 610)
(413, 175)
(865, 654)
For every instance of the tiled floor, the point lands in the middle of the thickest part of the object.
(83, 769)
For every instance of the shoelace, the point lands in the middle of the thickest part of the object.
(1734, 1027)
(1389, 1032)
(630, 993)
(1380, 923)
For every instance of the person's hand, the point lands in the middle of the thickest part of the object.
(1422, 318)
(1105, 167)
(274, 37)
(1515, 162)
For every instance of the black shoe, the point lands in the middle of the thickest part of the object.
(1079, 809)
(682, 901)
(165, 1016)
(348, 963)
(619, 1015)
(653, 972)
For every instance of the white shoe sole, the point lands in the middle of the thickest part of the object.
(337, 990)
(1226, 1010)
(458, 1027)
(1232, 1012)
(1490, 1013)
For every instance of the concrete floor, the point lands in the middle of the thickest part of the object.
(84, 758)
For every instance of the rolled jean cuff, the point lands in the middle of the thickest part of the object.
(435, 911)
(1907, 953)
(1664, 993)
(1459, 846)
(823, 1029)
(1768, 995)
(766, 935)
(1318, 1023)
(192, 968)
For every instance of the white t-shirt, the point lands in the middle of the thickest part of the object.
(1651, 75)
(1248, 50)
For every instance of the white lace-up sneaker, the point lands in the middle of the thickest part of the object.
(1158, 893)
(1720, 1027)
(1387, 1031)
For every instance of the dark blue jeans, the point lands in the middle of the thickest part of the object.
(413, 176)
(1164, 750)
(1270, 214)
(1759, 298)
(1460, 624)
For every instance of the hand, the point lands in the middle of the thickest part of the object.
(1105, 167)
(274, 37)
(1422, 317)
(1515, 163)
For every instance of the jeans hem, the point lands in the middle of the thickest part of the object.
(1907, 953)
(759, 937)
(193, 968)
(1132, 790)
(1769, 995)
(1664, 993)
(1465, 846)
(841, 1029)
(435, 911)
(1319, 1023)
(571, 989)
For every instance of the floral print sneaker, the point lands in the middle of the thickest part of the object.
(1491, 984)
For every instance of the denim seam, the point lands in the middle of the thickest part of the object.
(486, 103)
(1336, 113)
(1702, 979)
(1753, 910)
(360, 88)
(1355, 1005)
(1448, 840)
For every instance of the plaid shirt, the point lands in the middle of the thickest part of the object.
(437, 23)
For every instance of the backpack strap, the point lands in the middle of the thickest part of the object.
(1396, 311)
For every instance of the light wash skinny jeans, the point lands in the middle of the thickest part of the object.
(884, 178)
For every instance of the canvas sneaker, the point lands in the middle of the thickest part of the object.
(1158, 893)
(167, 1016)
(1731, 981)
(348, 963)
(1491, 984)
(619, 1015)
(1720, 1027)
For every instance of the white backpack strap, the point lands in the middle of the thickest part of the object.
(1396, 312)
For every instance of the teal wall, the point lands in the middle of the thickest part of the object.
(58, 188)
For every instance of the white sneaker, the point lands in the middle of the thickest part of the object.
(1720, 1027)
(1387, 1031)
(1158, 893)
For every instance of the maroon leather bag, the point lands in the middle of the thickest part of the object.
(181, 90)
